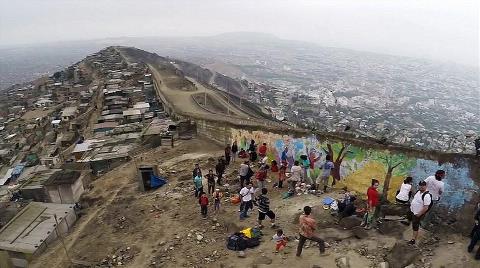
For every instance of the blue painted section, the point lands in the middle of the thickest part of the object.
(459, 185)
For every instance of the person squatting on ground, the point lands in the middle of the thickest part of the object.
(264, 209)
(210, 182)
(203, 201)
(373, 200)
(475, 234)
(217, 197)
(234, 151)
(197, 181)
(436, 187)
(325, 174)
(246, 193)
(307, 228)
(421, 203)
(405, 192)
(280, 240)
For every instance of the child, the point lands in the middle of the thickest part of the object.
(217, 196)
(280, 240)
(211, 181)
(203, 201)
(282, 175)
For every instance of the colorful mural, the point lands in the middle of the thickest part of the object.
(356, 166)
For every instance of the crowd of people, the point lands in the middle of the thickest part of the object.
(254, 192)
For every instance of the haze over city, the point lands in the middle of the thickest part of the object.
(435, 29)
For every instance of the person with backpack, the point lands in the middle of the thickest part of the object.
(203, 201)
(264, 209)
(234, 151)
(421, 204)
(210, 182)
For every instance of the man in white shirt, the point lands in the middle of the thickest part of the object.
(296, 175)
(436, 187)
(421, 203)
(246, 193)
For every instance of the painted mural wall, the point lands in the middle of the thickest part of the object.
(356, 166)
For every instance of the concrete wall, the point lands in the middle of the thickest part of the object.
(215, 131)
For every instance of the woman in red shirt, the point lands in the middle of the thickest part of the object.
(373, 200)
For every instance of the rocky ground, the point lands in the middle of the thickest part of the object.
(121, 226)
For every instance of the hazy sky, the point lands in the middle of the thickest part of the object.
(438, 29)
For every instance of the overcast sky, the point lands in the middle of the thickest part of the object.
(438, 29)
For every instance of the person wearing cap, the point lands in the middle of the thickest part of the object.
(436, 187)
(421, 203)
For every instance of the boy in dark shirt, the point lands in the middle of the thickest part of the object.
(475, 235)
(211, 181)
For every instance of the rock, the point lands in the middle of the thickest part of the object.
(241, 254)
(342, 262)
(451, 242)
(350, 222)
(263, 260)
(391, 228)
(199, 237)
(360, 232)
(383, 265)
(410, 266)
(401, 255)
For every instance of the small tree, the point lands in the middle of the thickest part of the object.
(392, 162)
(337, 162)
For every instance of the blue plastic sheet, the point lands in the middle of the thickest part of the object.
(157, 182)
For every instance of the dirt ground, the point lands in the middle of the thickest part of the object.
(163, 228)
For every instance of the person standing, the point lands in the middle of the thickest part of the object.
(234, 151)
(282, 175)
(228, 154)
(243, 172)
(196, 171)
(198, 185)
(246, 193)
(252, 147)
(220, 169)
(217, 197)
(373, 198)
(296, 175)
(405, 192)
(307, 229)
(326, 171)
(261, 176)
(436, 187)
(210, 182)
(264, 209)
(421, 203)
(262, 150)
(284, 157)
(203, 201)
(306, 168)
(477, 146)
(475, 234)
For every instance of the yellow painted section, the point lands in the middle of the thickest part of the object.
(361, 179)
